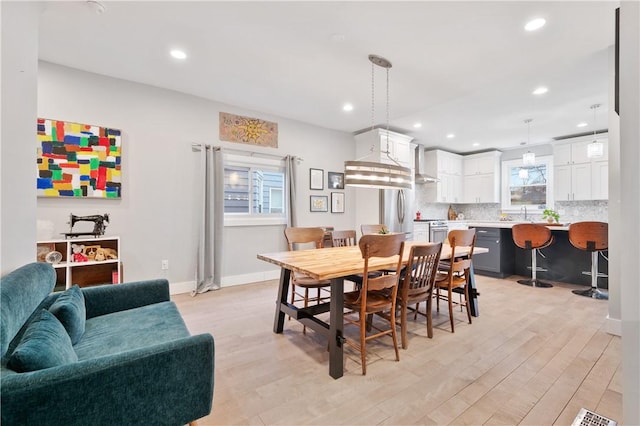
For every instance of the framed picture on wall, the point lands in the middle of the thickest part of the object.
(335, 180)
(337, 202)
(316, 179)
(319, 203)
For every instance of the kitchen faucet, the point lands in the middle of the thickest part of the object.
(525, 211)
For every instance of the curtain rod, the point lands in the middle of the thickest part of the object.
(196, 147)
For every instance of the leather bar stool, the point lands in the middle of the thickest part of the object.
(533, 237)
(592, 237)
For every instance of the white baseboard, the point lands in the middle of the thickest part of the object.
(189, 286)
(183, 287)
(614, 326)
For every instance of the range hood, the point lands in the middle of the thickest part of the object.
(421, 173)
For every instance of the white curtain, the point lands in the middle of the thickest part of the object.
(209, 262)
(290, 177)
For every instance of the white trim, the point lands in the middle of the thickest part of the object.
(506, 176)
(230, 219)
(250, 278)
(614, 326)
(183, 287)
(189, 286)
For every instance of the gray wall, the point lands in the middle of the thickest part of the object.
(19, 92)
(158, 128)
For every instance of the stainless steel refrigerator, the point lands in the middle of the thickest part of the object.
(397, 209)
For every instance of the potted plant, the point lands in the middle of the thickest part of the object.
(551, 215)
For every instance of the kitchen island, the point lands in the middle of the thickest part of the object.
(562, 261)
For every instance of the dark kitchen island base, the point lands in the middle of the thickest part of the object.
(563, 262)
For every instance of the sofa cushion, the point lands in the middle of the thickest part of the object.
(21, 292)
(44, 344)
(131, 329)
(70, 310)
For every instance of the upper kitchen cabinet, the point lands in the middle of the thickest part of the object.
(481, 177)
(447, 168)
(400, 148)
(578, 177)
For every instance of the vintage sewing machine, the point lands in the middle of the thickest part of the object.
(99, 225)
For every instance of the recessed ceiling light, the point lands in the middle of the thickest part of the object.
(476, 144)
(417, 125)
(347, 107)
(583, 124)
(540, 90)
(535, 24)
(178, 54)
(451, 136)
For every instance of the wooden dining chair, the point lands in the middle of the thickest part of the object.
(377, 295)
(455, 275)
(379, 228)
(343, 238)
(348, 238)
(416, 285)
(303, 238)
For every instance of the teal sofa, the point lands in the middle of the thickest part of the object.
(133, 360)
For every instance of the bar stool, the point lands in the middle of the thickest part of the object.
(533, 237)
(593, 237)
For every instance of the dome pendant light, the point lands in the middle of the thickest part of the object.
(375, 174)
(528, 158)
(595, 149)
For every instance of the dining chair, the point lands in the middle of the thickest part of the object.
(348, 238)
(343, 238)
(379, 228)
(297, 238)
(416, 285)
(453, 276)
(377, 295)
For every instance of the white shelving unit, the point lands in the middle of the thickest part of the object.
(88, 273)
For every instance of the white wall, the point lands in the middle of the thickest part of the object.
(157, 216)
(19, 88)
(630, 207)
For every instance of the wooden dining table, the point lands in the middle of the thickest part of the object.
(335, 263)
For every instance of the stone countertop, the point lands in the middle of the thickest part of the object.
(509, 224)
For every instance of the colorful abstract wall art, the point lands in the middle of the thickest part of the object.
(78, 160)
(253, 131)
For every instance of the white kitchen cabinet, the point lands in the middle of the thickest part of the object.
(447, 167)
(399, 147)
(482, 177)
(600, 180)
(572, 182)
(421, 231)
(483, 163)
(578, 177)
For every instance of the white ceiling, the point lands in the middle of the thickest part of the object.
(466, 68)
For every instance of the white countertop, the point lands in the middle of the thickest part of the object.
(509, 224)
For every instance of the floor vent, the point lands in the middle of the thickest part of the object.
(589, 418)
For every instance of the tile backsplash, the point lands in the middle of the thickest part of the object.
(570, 211)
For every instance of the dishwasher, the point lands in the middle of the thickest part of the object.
(499, 261)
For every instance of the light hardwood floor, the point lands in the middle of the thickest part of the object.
(534, 356)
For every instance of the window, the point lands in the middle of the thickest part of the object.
(254, 191)
(528, 186)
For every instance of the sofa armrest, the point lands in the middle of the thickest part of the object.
(105, 299)
(166, 384)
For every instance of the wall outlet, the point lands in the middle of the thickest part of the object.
(165, 264)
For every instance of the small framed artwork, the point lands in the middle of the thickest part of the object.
(316, 179)
(319, 203)
(337, 202)
(336, 180)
